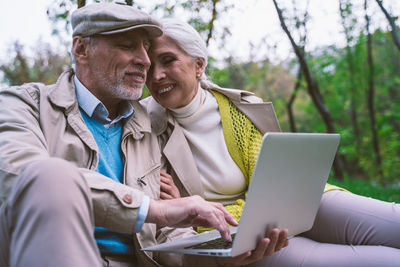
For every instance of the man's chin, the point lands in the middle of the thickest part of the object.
(130, 93)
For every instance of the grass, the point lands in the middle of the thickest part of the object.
(370, 189)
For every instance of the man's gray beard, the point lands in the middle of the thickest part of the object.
(122, 93)
(118, 90)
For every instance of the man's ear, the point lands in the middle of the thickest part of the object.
(200, 66)
(80, 49)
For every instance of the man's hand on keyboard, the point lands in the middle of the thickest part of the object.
(276, 240)
(191, 211)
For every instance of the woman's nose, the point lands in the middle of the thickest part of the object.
(156, 73)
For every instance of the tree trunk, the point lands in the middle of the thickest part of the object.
(313, 91)
(289, 105)
(81, 3)
(213, 18)
(370, 94)
(395, 34)
(349, 58)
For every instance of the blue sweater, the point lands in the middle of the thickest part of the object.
(111, 165)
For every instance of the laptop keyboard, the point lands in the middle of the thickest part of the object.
(215, 243)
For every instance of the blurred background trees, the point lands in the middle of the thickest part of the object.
(352, 89)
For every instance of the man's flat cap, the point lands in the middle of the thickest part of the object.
(111, 18)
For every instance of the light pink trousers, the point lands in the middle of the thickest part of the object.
(349, 230)
(47, 220)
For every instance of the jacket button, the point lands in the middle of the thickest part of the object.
(127, 199)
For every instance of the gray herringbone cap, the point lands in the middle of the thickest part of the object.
(111, 18)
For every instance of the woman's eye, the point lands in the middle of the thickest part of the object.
(168, 60)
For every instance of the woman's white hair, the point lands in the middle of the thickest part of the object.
(187, 38)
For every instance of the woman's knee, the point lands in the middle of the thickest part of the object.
(346, 218)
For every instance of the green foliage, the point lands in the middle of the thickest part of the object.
(45, 66)
(344, 92)
(201, 16)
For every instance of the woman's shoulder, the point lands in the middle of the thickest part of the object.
(260, 113)
(238, 95)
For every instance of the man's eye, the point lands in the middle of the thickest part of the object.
(146, 46)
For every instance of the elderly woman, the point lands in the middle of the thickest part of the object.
(210, 138)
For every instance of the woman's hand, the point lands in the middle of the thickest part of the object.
(168, 189)
(266, 247)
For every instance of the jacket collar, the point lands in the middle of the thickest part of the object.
(140, 122)
(158, 115)
(63, 92)
(63, 95)
(234, 95)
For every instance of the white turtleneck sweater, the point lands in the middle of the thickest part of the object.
(201, 124)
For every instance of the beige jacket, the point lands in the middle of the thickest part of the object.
(178, 159)
(39, 121)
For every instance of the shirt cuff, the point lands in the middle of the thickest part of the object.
(142, 213)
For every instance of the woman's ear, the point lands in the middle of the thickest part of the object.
(200, 66)
(80, 50)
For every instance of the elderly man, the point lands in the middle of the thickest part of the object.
(80, 153)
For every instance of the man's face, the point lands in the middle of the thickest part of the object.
(118, 65)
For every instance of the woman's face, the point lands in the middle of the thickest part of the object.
(173, 74)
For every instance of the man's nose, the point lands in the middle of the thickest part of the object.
(141, 57)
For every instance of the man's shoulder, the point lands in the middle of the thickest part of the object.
(34, 91)
(26, 91)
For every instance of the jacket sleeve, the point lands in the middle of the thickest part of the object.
(22, 141)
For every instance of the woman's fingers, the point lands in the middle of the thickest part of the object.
(165, 191)
(166, 180)
(168, 187)
(260, 251)
(273, 236)
(164, 186)
(282, 240)
(166, 176)
(164, 195)
(266, 247)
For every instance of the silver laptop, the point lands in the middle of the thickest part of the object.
(285, 191)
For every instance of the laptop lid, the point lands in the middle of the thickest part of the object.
(287, 185)
(285, 191)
